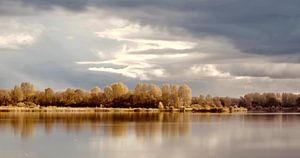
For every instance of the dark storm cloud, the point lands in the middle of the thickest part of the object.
(47, 4)
(274, 71)
(262, 27)
(258, 39)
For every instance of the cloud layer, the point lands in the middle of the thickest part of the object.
(213, 45)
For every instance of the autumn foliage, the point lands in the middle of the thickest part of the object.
(144, 95)
(116, 95)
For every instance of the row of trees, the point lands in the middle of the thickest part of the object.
(252, 100)
(144, 95)
(115, 95)
(278, 100)
(216, 101)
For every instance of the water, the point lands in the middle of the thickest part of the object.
(174, 135)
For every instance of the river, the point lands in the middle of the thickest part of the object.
(149, 135)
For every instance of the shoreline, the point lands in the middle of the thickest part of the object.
(53, 109)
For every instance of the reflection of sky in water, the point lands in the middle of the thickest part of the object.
(149, 135)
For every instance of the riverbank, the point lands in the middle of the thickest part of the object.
(97, 109)
(274, 110)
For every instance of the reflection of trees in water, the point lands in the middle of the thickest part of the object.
(20, 125)
(257, 119)
(176, 125)
(114, 124)
(143, 125)
(117, 129)
(24, 127)
(48, 125)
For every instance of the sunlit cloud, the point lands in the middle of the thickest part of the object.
(137, 39)
(144, 38)
(208, 70)
(133, 66)
(14, 35)
(133, 71)
(14, 41)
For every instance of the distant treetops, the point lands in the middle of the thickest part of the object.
(144, 95)
(116, 95)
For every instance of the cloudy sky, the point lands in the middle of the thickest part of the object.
(218, 47)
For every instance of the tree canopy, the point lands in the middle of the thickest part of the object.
(143, 95)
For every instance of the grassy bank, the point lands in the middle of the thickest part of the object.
(96, 109)
(274, 109)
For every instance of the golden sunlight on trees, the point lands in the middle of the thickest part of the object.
(144, 95)
(185, 95)
(96, 96)
(17, 95)
(28, 90)
(67, 97)
(4, 97)
(118, 89)
(108, 93)
(49, 96)
(176, 96)
(81, 97)
(167, 95)
(117, 95)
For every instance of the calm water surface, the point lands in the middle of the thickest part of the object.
(139, 135)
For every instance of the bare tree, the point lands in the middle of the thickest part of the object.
(16, 95)
(118, 89)
(185, 95)
(4, 97)
(28, 90)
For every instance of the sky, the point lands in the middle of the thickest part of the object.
(217, 47)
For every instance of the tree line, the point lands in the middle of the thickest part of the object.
(116, 95)
(252, 101)
(144, 95)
